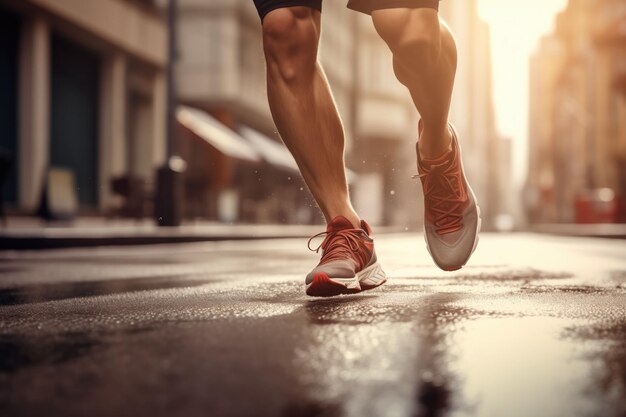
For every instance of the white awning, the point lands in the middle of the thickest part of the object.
(276, 153)
(273, 152)
(216, 134)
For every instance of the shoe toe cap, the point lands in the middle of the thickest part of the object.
(334, 269)
(448, 258)
(451, 251)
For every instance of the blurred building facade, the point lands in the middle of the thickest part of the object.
(83, 89)
(385, 131)
(577, 166)
(86, 91)
(221, 71)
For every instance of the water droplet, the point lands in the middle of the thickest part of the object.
(392, 192)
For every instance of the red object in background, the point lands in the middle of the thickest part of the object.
(598, 206)
(621, 209)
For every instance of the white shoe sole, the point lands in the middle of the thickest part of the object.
(371, 277)
(323, 286)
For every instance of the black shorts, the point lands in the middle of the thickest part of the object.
(364, 6)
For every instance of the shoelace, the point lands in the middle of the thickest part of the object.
(442, 186)
(337, 245)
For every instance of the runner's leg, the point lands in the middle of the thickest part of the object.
(303, 107)
(424, 60)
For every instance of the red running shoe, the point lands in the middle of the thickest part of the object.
(451, 215)
(348, 265)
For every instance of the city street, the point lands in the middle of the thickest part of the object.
(534, 325)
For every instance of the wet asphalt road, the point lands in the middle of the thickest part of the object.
(533, 326)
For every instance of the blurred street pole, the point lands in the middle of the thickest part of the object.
(171, 93)
(169, 196)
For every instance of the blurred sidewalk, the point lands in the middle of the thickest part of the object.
(23, 233)
(606, 230)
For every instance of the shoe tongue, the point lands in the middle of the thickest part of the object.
(339, 223)
(366, 228)
(446, 157)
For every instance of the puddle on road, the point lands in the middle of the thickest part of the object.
(522, 367)
(606, 347)
(439, 358)
(359, 366)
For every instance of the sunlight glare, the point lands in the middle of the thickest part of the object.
(516, 27)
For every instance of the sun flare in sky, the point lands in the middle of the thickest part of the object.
(516, 27)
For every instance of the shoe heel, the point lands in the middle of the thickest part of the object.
(372, 277)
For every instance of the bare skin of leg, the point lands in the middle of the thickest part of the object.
(424, 60)
(303, 107)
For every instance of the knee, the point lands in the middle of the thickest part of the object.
(412, 36)
(420, 45)
(290, 38)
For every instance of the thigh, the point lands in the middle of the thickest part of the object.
(291, 34)
(263, 7)
(406, 25)
(368, 6)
